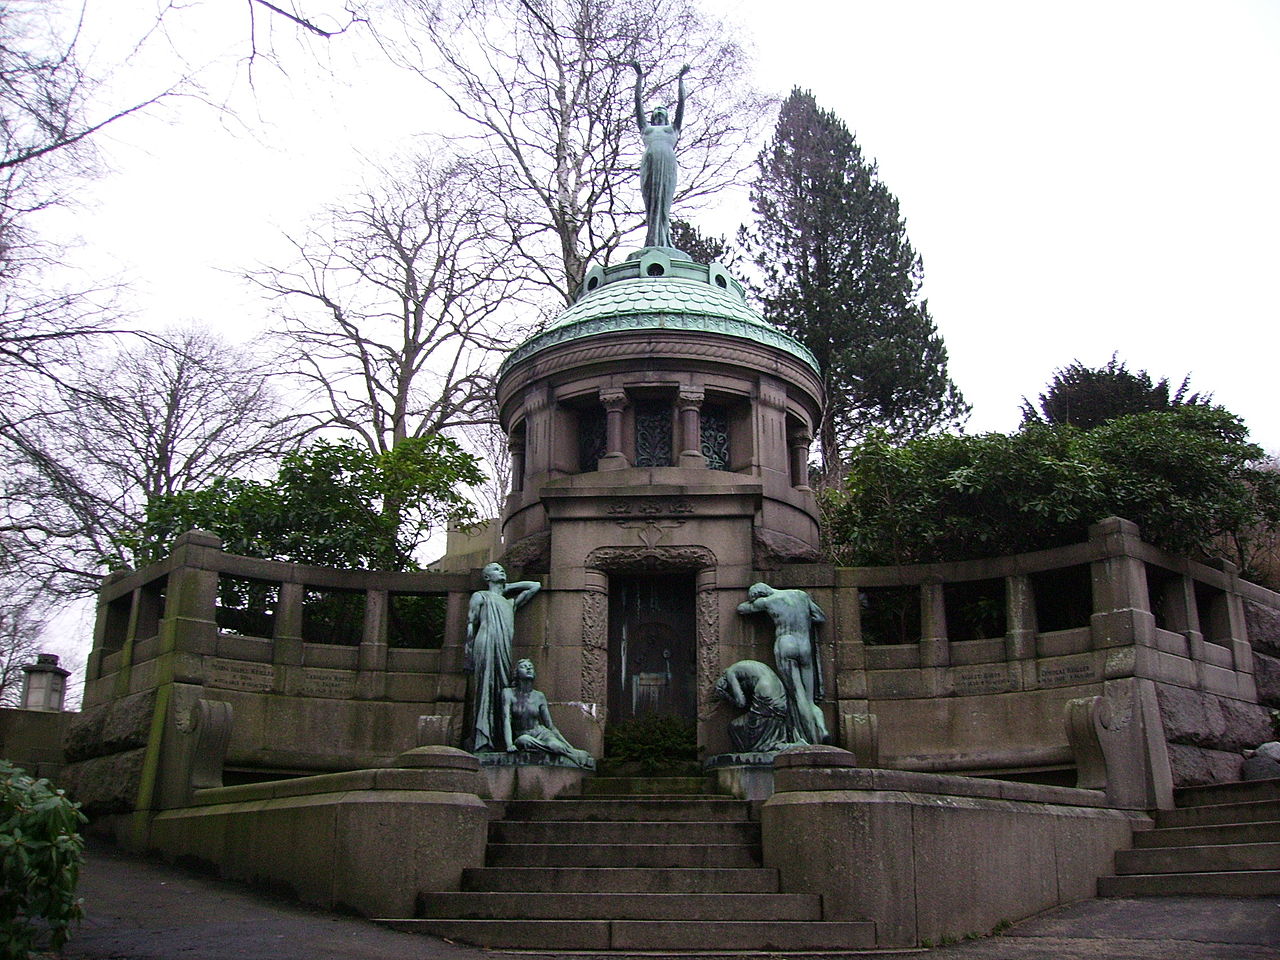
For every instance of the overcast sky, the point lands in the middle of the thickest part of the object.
(1080, 179)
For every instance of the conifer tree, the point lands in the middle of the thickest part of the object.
(839, 273)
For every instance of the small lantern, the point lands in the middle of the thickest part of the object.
(44, 686)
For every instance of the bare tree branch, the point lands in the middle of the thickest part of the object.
(397, 307)
(545, 85)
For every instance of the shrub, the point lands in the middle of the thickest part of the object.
(655, 742)
(1188, 477)
(40, 855)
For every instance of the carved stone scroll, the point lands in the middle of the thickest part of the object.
(211, 732)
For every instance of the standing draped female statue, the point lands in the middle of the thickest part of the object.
(658, 168)
(491, 628)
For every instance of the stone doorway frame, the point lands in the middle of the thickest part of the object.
(603, 561)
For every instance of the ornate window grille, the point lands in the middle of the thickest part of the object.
(715, 437)
(653, 433)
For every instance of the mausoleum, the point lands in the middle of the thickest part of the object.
(1001, 736)
(660, 437)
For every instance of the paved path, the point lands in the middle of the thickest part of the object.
(139, 909)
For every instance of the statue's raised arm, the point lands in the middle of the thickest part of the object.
(641, 123)
(678, 123)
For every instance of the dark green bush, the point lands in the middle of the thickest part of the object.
(40, 855)
(655, 742)
(1188, 477)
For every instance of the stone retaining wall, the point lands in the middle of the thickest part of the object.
(930, 856)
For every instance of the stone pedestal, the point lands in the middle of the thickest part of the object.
(748, 776)
(531, 776)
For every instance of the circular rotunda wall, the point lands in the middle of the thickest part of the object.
(660, 377)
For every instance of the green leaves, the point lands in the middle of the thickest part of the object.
(332, 503)
(41, 852)
(1187, 476)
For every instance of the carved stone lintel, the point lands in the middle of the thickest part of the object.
(650, 558)
(650, 507)
(650, 531)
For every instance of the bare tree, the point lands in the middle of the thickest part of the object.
(167, 413)
(489, 443)
(20, 627)
(394, 314)
(545, 86)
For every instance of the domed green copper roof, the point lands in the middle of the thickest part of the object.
(652, 291)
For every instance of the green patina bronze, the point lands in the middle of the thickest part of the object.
(683, 296)
(658, 168)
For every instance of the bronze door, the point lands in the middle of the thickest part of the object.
(652, 634)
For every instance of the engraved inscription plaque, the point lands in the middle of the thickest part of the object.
(1068, 671)
(319, 682)
(982, 678)
(239, 675)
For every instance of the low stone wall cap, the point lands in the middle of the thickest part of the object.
(815, 755)
(438, 757)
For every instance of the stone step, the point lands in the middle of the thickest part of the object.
(623, 831)
(719, 855)
(1208, 859)
(683, 808)
(504, 905)
(1260, 831)
(1234, 883)
(648, 786)
(1214, 793)
(1196, 816)
(623, 879)
(657, 937)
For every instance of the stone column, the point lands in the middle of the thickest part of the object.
(190, 611)
(1121, 607)
(935, 646)
(1020, 613)
(371, 682)
(690, 406)
(1021, 629)
(799, 449)
(286, 646)
(1184, 615)
(615, 402)
(1241, 646)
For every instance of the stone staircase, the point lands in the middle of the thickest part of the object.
(636, 865)
(1222, 839)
